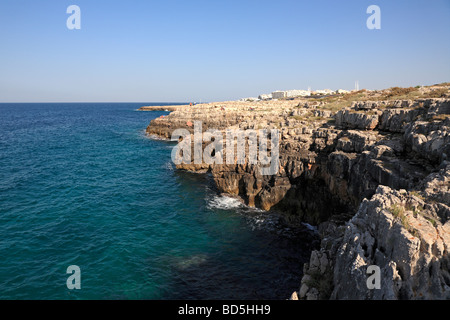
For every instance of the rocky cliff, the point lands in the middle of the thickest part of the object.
(369, 168)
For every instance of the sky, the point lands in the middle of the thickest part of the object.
(208, 50)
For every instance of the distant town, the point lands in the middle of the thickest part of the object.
(294, 94)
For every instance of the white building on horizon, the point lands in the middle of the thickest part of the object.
(324, 91)
(297, 93)
(278, 94)
(290, 94)
(265, 96)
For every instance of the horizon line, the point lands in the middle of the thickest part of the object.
(97, 102)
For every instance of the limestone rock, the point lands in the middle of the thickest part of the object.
(376, 181)
(294, 296)
(411, 251)
(349, 119)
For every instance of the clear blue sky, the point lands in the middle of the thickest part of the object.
(215, 50)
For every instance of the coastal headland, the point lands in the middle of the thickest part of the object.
(163, 108)
(371, 169)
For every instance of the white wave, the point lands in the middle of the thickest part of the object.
(263, 221)
(168, 166)
(259, 220)
(156, 137)
(224, 202)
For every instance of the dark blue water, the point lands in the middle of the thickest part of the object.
(81, 184)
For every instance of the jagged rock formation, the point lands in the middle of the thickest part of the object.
(386, 160)
(406, 237)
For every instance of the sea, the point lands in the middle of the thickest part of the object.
(81, 184)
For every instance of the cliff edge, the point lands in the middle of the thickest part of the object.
(369, 168)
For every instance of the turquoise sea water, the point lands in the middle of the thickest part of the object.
(81, 184)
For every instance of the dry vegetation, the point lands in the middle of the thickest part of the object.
(438, 93)
(338, 102)
(398, 92)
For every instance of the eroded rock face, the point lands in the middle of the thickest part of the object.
(431, 139)
(356, 160)
(411, 252)
(403, 233)
(357, 119)
(388, 146)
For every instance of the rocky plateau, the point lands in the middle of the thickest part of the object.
(370, 169)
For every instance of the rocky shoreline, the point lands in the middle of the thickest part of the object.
(369, 168)
(162, 108)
